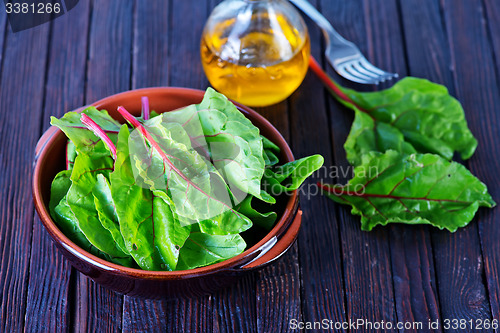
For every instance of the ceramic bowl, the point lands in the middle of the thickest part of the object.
(49, 160)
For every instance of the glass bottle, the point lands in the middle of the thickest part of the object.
(256, 52)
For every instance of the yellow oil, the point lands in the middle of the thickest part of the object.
(258, 69)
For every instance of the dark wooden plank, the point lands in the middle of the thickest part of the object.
(49, 294)
(492, 16)
(458, 262)
(366, 256)
(21, 99)
(144, 315)
(151, 49)
(279, 284)
(477, 87)
(110, 49)
(415, 293)
(109, 72)
(4, 26)
(234, 307)
(319, 240)
(489, 129)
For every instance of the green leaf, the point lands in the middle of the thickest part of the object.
(225, 138)
(270, 152)
(225, 126)
(70, 154)
(196, 194)
(83, 138)
(106, 210)
(268, 144)
(264, 220)
(290, 176)
(81, 200)
(412, 189)
(226, 223)
(414, 115)
(270, 158)
(203, 249)
(170, 235)
(59, 189)
(66, 220)
(151, 232)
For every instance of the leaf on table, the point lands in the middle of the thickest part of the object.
(150, 230)
(80, 135)
(412, 189)
(414, 115)
(203, 249)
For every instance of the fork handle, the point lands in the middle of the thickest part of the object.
(331, 35)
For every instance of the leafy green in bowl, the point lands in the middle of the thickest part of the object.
(173, 191)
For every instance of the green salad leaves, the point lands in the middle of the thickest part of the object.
(401, 145)
(412, 189)
(174, 191)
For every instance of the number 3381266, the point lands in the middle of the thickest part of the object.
(32, 8)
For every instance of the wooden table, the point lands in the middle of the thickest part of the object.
(335, 271)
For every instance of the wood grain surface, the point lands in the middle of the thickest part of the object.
(335, 271)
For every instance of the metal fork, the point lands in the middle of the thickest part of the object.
(344, 56)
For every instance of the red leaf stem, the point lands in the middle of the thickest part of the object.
(145, 107)
(330, 84)
(94, 127)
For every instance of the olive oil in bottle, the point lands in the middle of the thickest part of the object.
(256, 52)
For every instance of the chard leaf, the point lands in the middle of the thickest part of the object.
(222, 122)
(81, 200)
(225, 138)
(268, 144)
(412, 189)
(106, 210)
(151, 232)
(414, 115)
(70, 155)
(225, 224)
(66, 220)
(203, 249)
(290, 176)
(59, 189)
(270, 158)
(264, 220)
(80, 135)
(427, 117)
(186, 173)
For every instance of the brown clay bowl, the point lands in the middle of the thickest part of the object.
(49, 160)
